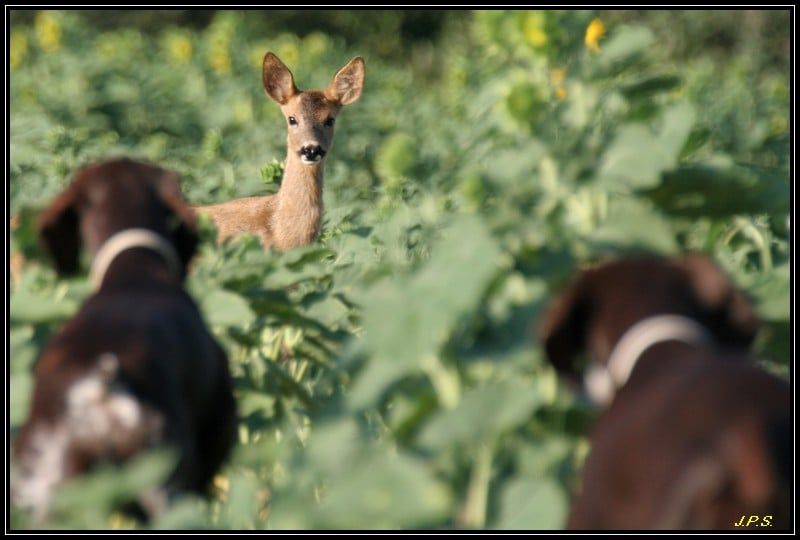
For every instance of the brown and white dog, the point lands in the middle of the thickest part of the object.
(136, 365)
(694, 435)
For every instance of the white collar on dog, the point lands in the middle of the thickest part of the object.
(128, 239)
(602, 382)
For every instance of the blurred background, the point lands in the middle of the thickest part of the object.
(388, 376)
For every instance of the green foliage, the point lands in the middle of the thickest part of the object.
(532, 504)
(386, 376)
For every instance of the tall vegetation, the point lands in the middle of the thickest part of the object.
(388, 376)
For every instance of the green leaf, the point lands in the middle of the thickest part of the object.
(700, 190)
(23, 348)
(774, 342)
(532, 504)
(447, 287)
(186, 513)
(545, 456)
(631, 225)
(396, 156)
(328, 310)
(379, 373)
(21, 392)
(650, 85)
(634, 160)
(637, 158)
(625, 42)
(27, 307)
(250, 402)
(678, 121)
(335, 446)
(225, 308)
(772, 291)
(272, 172)
(242, 506)
(481, 415)
(384, 492)
(85, 501)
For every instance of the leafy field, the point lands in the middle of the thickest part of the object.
(388, 376)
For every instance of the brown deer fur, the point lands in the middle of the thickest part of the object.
(293, 216)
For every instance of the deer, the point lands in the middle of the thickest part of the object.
(292, 217)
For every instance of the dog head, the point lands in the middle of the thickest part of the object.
(598, 307)
(112, 196)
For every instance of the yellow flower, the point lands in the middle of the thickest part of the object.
(19, 48)
(557, 76)
(179, 48)
(536, 36)
(220, 61)
(218, 56)
(257, 53)
(119, 521)
(116, 521)
(106, 46)
(458, 74)
(243, 111)
(594, 32)
(288, 52)
(315, 44)
(221, 483)
(778, 125)
(533, 31)
(48, 31)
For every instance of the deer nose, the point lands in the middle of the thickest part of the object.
(312, 151)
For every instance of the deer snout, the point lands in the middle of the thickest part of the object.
(312, 153)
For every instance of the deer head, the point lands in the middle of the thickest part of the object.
(311, 114)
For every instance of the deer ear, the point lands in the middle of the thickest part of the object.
(562, 329)
(347, 83)
(731, 316)
(278, 80)
(184, 232)
(59, 231)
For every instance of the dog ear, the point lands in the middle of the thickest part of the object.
(562, 329)
(184, 232)
(58, 230)
(731, 316)
(278, 80)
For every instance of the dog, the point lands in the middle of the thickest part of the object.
(694, 435)
(136, 366)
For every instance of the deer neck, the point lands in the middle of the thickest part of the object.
(298, 212)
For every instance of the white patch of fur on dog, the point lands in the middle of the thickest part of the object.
(99, 419)
(124, 409)
(85, 392)
(41, 470)
(96, 412)
(109, 364)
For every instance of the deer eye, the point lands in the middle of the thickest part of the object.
(329, 121)
(292, 121)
